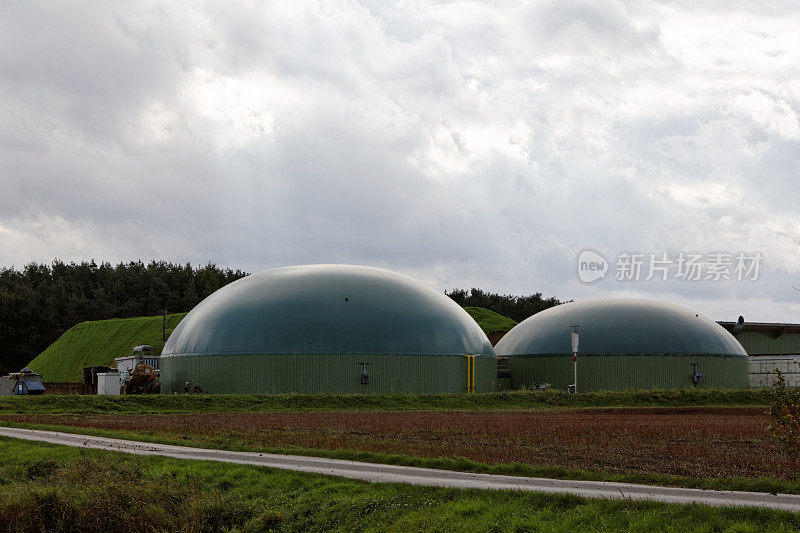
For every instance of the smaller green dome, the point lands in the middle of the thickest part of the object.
(619, 327)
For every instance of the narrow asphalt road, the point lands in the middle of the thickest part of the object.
(379, 473)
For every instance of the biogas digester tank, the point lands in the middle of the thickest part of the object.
(328, 328)
(624, 344)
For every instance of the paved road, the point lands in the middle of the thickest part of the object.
(420, 476)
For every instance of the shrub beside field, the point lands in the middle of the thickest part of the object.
(785, 413)
(54, 488)
(97, 343)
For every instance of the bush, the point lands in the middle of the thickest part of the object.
(785, 412)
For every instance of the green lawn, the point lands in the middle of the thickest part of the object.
(97, 343)
(490, 321)
(221, 403)
(54, 488)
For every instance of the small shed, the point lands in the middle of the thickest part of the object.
(23, 382)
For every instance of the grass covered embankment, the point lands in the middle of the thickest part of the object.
(55, 488)
(489, 321)
(97, 343)
(511, 400)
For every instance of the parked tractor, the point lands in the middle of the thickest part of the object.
(143, 379)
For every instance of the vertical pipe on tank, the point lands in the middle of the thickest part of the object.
(575, 358)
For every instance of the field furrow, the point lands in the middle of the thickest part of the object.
(691, 442)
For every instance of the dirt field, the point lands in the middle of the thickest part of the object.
(696, 442)
(63, 388)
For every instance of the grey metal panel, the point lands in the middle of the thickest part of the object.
(764, 342)
(7, 384)
(327, 309)
(619, 326)
(763, 370)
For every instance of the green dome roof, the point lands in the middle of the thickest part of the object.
(619, 326)
(320, 309)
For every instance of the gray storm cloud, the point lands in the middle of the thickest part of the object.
(465, 143)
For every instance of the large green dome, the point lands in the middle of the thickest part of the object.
(620, 327)
(327, 309)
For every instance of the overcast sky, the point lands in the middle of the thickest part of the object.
(466, 144)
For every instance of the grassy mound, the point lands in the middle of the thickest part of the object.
(98, 343)
(489, 321)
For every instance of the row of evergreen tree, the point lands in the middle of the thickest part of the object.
(39, 302)
(517, 307)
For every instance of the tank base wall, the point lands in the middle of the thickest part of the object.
(312, 373)
(485, 374)
(625, 372)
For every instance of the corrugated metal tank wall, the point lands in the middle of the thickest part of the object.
(321, 373)
(621, 372)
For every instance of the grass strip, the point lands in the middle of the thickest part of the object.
(511, 400)
(462, 464)
(45, 487)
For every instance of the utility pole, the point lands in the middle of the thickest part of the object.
(164, 327)
(575, 358)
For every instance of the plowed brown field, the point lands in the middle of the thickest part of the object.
(695, 442)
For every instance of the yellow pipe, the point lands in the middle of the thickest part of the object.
(469, 375)
(473, 373)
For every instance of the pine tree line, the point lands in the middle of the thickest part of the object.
(39, 302)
